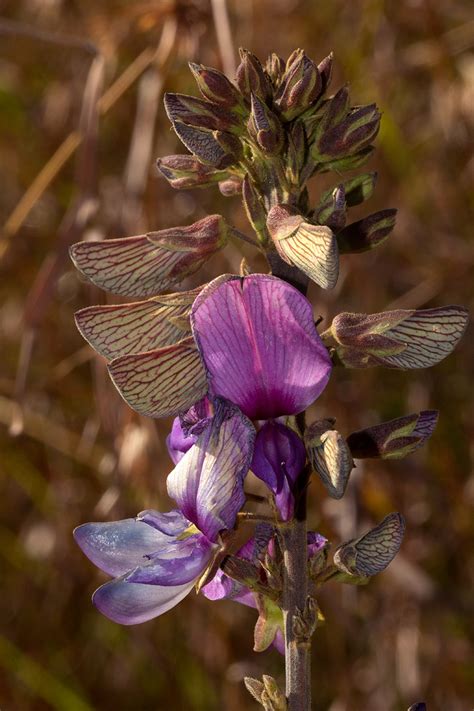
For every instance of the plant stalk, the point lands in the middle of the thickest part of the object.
(295, 592)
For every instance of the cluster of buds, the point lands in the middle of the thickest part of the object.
(237, 361)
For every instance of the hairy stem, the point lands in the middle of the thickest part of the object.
(295, 592)
(293, 540)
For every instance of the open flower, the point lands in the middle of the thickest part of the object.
(157, 558)
(259, 345)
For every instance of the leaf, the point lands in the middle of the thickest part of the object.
(161, 382)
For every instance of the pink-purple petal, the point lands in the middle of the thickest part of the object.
(134, 603)
(260, 346)
(177, 442)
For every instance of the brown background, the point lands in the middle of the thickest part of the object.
(74, 452)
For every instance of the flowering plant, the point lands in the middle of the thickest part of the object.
(237, 361)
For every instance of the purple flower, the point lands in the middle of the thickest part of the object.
(158, 557)
(278, 459)
(259, 345)
(186, 428)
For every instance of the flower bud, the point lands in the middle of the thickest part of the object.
(311, 248)
(350, 135)
(330, 456)
(325, 72)
(200, 114)
(251, 77)
(231, 186)
(367, 233)
(301, 86)
(394, 439)
(265, 127)
(332, 212)
(215, 87)
(275, 67)
(396, 339)
(186, 171)
(373, 552)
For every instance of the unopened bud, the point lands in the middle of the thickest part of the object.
(265, 126)
(251, 78)
(186, 171)
(394, 439)
(215, 87)
(367, 233)
(350, 135)
(231, 186)
(275, 694)
(301, 86)
(275, 67)
(372, 553)
(325, 71)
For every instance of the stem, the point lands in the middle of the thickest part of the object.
(295, 593)
(293, 540)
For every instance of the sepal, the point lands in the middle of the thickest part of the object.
(396, 339)
(329, 455)
(373, 552)
(265, 127)
(186, 171)
(367, 233)
(311, 248)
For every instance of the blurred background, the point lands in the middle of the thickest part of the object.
(81, 124)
